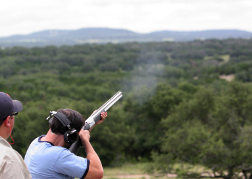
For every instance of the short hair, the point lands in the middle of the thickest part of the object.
(1, 121)
(77, 121)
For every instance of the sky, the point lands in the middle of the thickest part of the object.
(142, 16)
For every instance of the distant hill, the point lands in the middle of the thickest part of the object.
(107, 35)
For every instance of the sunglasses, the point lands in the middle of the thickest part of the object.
(14, 114)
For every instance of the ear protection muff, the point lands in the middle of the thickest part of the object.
(70, 136)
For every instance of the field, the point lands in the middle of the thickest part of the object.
(133, 171)
(136, 171)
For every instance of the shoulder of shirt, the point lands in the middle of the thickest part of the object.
(10, 154)
(60, 150)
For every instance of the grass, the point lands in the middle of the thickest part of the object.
(126, 169)
(137, 170)
(225, 58)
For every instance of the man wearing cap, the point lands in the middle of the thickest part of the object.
(11, 162)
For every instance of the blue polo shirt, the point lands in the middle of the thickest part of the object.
(44, 161)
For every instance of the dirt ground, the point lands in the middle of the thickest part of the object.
(137, 176)
(227, 77)
(128, 176)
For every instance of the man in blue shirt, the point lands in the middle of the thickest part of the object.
(48, 156)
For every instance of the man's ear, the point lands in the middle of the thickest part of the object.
(7, 121)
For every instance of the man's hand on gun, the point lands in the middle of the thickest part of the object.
(103, 116)
(85, 134)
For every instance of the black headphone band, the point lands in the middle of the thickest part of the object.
(63, 119)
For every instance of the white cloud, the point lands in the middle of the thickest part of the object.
(22, 17)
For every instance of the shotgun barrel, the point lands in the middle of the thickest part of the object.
(94, 118)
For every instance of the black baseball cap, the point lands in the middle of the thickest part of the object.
(8, 106)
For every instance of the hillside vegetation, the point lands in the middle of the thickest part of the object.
(176, 108)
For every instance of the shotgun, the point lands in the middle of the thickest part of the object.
(94, 118)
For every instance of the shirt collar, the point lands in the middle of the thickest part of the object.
(4, 142)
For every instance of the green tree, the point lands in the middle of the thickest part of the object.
(213, 130)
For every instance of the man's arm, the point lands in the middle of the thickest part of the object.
(95, 168)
